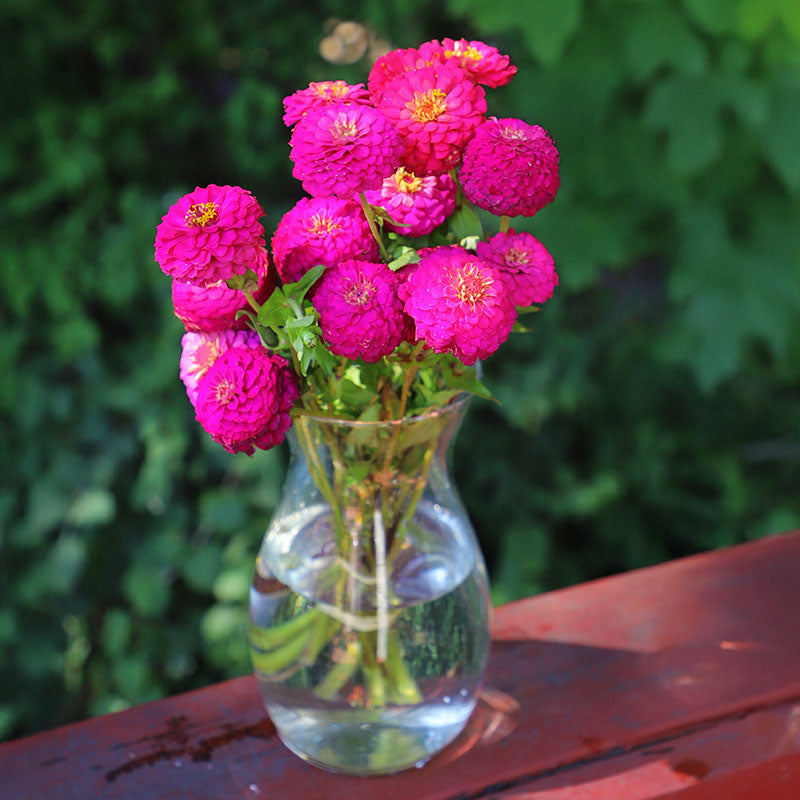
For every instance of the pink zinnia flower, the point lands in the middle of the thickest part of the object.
(321, 93)
(244, 399)
(200, 350)
(342, 149)
(420, 204)
(436, 110)
(361, 315)
(210, 235)
(524, 264)
(510, 168)
(459, 304)
(484, 64)
(214, 308)
(389, 66)
(321, 230)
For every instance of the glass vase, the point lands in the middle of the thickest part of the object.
(369, 609)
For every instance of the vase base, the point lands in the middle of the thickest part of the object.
(371, 742)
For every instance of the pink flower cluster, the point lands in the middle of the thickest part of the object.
(415, 145)
(424, 111)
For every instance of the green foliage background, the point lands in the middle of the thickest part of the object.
(654, 410)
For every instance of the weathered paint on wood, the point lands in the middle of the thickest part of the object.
(681, 680)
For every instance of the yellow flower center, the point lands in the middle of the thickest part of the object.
(516, 258)
(201, 214)
(322, 225)
(407, 181)
(343, 129)
(470, 285)
(359, 292)
(330, 89)
(514, 134)
(428, 106)
(223, 392)
(467, 52)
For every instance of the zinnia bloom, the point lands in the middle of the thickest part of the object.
(210, 235)
(200, 350)
(361, 315)
(389, 66)
(419, 204)
(510, 168)
(459, 304)
(436, 110)
(319, 94)
(484, 64)
(343, 149)
(214, 308)
(524, 264)
(321, 230)
(244, 399)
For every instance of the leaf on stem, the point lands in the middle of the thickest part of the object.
(297, 291)
(403, 255)
(465, 222)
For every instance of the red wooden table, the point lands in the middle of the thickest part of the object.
(676, 681)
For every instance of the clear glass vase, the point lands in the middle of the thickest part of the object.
(369, 610)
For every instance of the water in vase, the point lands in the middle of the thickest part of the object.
(362, 677)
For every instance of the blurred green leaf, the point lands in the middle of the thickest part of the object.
(546, 24)
(147, 589)
(657, 36)
(92, 507)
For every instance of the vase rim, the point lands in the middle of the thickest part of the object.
(456, 405)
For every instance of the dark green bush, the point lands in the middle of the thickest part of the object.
(652, 412)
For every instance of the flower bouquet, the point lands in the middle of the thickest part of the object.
(360, 340)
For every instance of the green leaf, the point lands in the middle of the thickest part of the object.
(147, 589)
(466, 380)
(297, 291)
(714, 16)
(657, 36)
(276, 310)
(301, 322)
(688, 109)
(364, 435)
(352, 394)
(382, 216)
(93, 507)
(546, 25)
(726, 299)
(465, 222)
(756, 17)
(781, 134)
(232, 585)
(407, 255)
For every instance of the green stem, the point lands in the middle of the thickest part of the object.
(254, 304)
(411, 373)
(322, 632)
(372, 226)
(280, 658)
(338, 675)
(372, 671)
(404, 687)
(317, 470)
(505, 221)
(295, 306)
(411, 506)
(270, 638)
